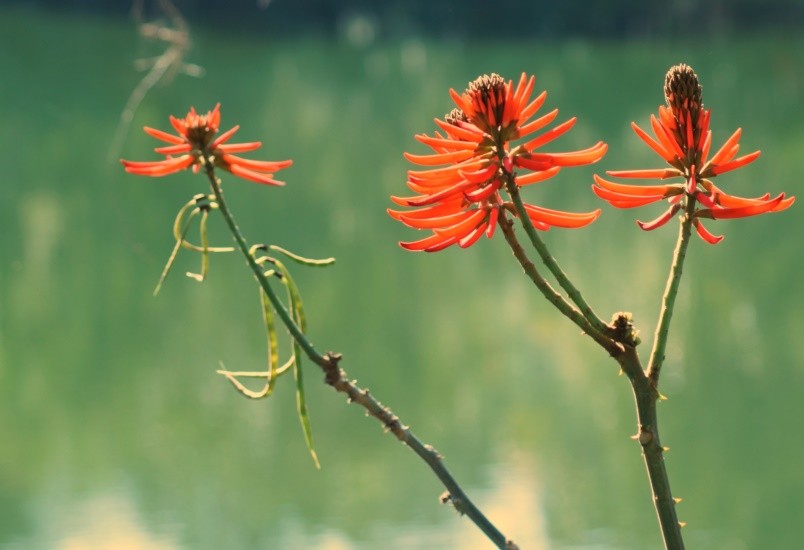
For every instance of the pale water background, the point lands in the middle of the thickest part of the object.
(115, 431)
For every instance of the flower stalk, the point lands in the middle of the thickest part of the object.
(336, 377)
(670, 293)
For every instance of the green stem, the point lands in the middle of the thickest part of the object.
(670, 293)
(336, 377)
(550, 293)
(551, 263)
(645, 396)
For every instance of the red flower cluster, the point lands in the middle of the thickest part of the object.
(683, 140)
(195, 142)
(459, 199)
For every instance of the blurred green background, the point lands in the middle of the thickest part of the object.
(115, 431)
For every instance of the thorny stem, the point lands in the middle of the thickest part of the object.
(646, 396)
(642, 383)
(670, 293)
(551, 263)
(550, 293)
(336, 377)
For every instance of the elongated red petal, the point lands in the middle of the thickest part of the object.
(736, 163)
(741, 211)
(258, 177)
(666, 137)
(704, 234)
(483, 193)
(659, 173)
(620, 200)
(639, 190)
(462, 103)
(557, 218)
(536, 177)
(230, 148)
(480, 176)
(443, 158)
(492, 225)
(537, 124)
(224, 137)
(659, 149)
(442, 209)
(164, 136)
(574, 158)
(532, 107)
(468, 132)
(521, 98)
(259, 165)
(449, 144)
(454, 190)
(585, 156)
(472, 237)
(448, 170)
(433, 243)
(721, 154)
(532, 164)
(661, 220)
(462, 228)
(174, 149)
(158, 168)
(431, 223)
(706, 146)
(547, 137)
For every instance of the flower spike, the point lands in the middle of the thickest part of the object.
(683, 140)
(459, 193)
(197, 141)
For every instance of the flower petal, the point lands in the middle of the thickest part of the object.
(704, 234)
(431, 223)
(723, 152)
(449, 144)
(224, 137)
(736, 163)
(537, 124)
(164, 136)
(547, 137)
(659, 173)
(620, 200)
(443, 158)
(661, 220)
(574, 158)
(557, 218)
(258, 177)
(538, 176)
(229, 148)
(472, 237)
(158, 168)
(433, 243)
(639, 190)
(174, 149)
(742, 211)
(659, 149)
(462, 228)
(260, 165)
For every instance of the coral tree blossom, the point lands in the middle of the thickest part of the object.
(459, 192)
(196, 142)
(683, 140)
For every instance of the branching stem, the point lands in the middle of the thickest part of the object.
(551, 263)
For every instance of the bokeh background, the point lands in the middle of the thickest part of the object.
(115, 431)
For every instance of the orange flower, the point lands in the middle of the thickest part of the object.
(195, 141)
(459, 195)
(683, 140)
